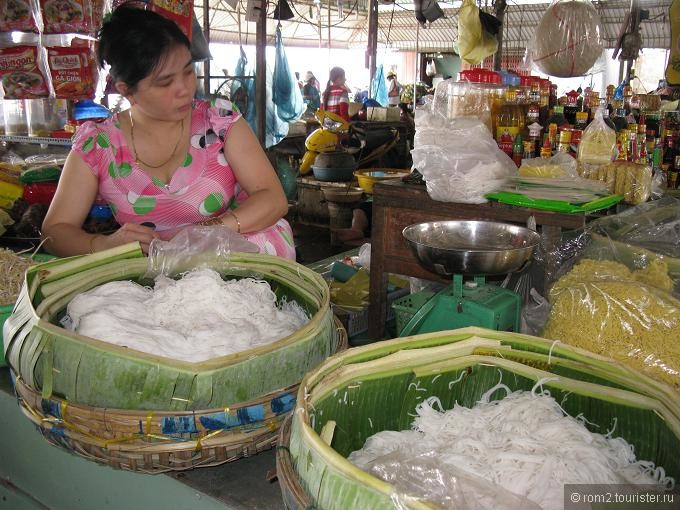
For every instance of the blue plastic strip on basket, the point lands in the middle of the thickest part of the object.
(175, 425)
(283, 404)
(50, 408)
(226, 420)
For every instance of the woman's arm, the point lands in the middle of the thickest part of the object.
(266, 202)
(62, 227)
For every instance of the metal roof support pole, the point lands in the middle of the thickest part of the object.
(206, 34)
(415, 73)
(372, 47)
(261, 74)
(500, 7)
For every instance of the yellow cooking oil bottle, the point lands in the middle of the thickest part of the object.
(596, 148)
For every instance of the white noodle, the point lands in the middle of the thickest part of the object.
(524, 443)
(195, 318)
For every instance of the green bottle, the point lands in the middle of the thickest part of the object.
(518, 150)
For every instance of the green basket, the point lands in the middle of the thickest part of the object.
(6, 310)
(406, 307)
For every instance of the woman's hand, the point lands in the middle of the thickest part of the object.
(128, 233)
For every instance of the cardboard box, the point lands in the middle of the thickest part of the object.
(381, 114)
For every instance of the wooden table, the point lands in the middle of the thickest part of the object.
(397, 205)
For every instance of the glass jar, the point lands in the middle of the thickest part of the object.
(42, 116)
(14, 114)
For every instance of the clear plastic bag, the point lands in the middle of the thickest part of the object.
(631, 180)
(617, 289)
(567, 40)
(194, 246)
(596, 148)
(559, 165)
(464, 165)
(639, 235)
(604, 307)
(426, 479)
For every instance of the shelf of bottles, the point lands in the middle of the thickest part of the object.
(40, 140)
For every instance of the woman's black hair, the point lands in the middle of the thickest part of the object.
(133, 41)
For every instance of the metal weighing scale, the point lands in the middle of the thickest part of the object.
(472, 250)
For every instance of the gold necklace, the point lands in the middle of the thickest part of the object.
(134, 148)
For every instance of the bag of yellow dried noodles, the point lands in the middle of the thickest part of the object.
(604, 307)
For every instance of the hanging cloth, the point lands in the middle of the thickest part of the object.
(378, 87)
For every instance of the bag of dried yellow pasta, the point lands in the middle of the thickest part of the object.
(631, 316)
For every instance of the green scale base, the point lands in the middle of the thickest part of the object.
(472, 303)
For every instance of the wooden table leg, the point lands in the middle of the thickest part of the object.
(377, 308)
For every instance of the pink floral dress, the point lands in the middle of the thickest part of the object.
(203, 186)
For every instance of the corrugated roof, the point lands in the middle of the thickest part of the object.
(399, 29)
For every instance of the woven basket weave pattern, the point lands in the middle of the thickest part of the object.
(162, 441)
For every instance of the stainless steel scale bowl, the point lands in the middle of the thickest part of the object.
(472, 248)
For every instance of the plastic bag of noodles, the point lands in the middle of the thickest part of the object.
(630, 315)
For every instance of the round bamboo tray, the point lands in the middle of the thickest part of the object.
(161, 441)
(294, 496)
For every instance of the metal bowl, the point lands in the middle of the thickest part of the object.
(471, 247)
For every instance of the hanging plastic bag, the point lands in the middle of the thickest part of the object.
(430, 68)
(567, 41)
(276, 128)
(286, 93)
(242, 92)
(474, 43)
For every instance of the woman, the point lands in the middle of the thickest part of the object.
(336, 96)
(167, 162)
(393, 89)
(311, 95)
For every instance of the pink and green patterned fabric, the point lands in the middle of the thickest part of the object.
(202, 187)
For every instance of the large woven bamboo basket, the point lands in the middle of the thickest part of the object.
(370, 389)
(160, 441)
(83, 370)
(294, 495)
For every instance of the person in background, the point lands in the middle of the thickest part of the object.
(299, 81)
(310, 93)
(336, 95)
(393, 89)
(310, 78)
(169, 161)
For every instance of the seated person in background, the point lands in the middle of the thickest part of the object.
(336, 95)
(361, 224)
(169, 161)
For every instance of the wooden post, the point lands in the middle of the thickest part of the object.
(372, 47)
